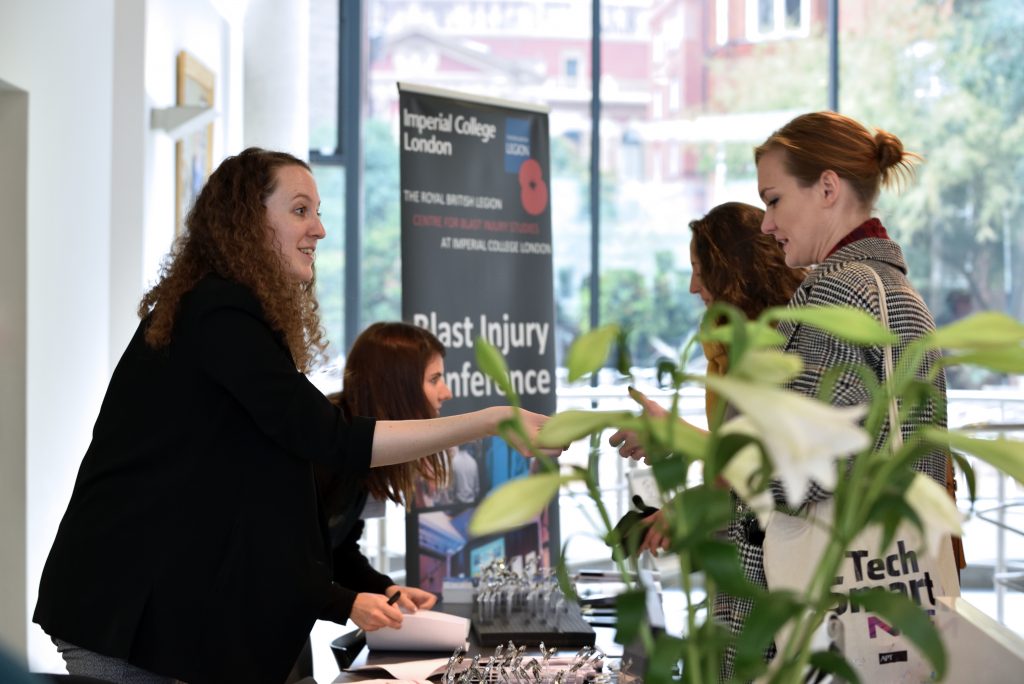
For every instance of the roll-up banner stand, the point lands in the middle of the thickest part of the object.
(476, 262)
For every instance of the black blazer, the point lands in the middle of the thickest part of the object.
(352, 570)
(193, 545)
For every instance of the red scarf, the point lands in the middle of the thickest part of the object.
(872, 228)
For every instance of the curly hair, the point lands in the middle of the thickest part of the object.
(383, 378)
(227, 234)
(818, 141)
(739, 264)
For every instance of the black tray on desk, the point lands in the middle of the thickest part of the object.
(521, 628)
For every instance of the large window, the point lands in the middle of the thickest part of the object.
(687, 88)
(774, 19)
(330, 179)
(949, 84)
(527, 51)
(946, 78)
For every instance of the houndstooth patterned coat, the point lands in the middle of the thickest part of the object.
(843, 278)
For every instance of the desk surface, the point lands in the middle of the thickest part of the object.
(604, 640)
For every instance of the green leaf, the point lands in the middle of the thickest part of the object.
(628, 532)
(1004, 454)
(670, 472)
(671, 369)
(492, 363)
(725, 447)
(826, 661)
(968, 470)
(568, 426)
(630, 609)
(589, 352)
(515, 503)
(564, 582)
(843, 322)
(902, 613)
(705, 509)
(769, 614)
(663, 664)
(768, 366)
(623, 359)
(721, 562)
(759, 335)
(1001, 360)
(730, 318)
(985, 329)
(693, 518)
(677, 436)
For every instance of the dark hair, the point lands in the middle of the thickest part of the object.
(819, 141)
(227, 234)
(384, 379)
(739, 264)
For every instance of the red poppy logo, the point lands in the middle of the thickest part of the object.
(533, 191)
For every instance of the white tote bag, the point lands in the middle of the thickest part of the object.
(793, 548)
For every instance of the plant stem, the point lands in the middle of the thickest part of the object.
(819, 595)
(692, 654)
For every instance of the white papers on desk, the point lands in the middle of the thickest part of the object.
(424, 630)
(406, 671)
(394, 681)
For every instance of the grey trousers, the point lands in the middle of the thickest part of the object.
(86, 663)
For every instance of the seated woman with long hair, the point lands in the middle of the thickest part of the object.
(394, 371)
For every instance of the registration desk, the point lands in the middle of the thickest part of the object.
(979, 650)
(604, 640)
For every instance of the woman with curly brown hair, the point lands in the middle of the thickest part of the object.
(733, 262)
(192, 547)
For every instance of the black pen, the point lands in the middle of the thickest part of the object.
(393, 599)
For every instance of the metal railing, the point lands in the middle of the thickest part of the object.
(981, 412)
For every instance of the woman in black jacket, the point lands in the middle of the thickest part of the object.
(192, 547)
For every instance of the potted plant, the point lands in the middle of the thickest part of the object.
(783, 437)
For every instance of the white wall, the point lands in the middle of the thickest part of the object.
(60, 53)
(172, 26)
(277, 82)
(98, 220)
(100, 216)
(13, 334)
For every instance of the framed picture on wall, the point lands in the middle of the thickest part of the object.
(195, 150)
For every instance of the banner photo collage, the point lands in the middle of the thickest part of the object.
(476, 262)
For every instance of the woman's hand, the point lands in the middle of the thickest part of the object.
(532, 423)
(656, 538)
(411, 599)
(371, 612)
(626, 440)
(628, 444)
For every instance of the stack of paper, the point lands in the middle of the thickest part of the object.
(424, 630)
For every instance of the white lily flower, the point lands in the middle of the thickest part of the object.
(742, 468)
(803, 436)
(936, 509)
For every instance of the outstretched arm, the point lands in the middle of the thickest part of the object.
(398, 441)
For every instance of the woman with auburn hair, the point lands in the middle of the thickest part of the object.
(733, 262)
(394, 371)
(192, 547)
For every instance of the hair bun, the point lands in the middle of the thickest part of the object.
(888, 150)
